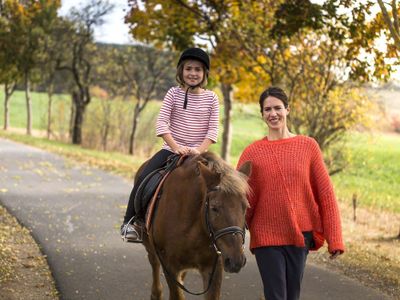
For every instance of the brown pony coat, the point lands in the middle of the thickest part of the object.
(179, 230)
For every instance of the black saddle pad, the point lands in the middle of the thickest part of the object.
(150, 183)
(146, 190)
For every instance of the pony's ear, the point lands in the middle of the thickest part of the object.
(246, 168)
(211, 178)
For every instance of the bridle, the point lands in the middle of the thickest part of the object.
(214, 236)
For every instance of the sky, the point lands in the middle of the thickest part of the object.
(114, 30)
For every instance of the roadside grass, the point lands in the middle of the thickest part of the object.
(118, 163)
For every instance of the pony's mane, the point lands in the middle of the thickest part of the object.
(232, 181)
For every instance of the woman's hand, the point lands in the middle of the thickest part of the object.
(335, 254)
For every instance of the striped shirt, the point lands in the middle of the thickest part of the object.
(190, 126)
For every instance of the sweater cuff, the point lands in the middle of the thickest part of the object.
(335, 246)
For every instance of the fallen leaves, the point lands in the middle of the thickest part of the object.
(21, 261)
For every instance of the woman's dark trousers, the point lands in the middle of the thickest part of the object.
(281, 269)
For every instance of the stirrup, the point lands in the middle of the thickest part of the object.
(139, 229)
(138, 232)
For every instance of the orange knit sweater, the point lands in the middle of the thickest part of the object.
(291, 193)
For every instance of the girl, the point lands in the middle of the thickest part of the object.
(293, 207)
(188, 123)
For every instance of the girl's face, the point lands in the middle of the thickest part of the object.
(274, 113)
(193, 72)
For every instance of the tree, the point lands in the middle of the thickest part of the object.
(155, 69)
(54, 45)
(312, 51)
(81, 50)
(29, 23)
(177, 25)
(391, 19)
(138, 71)
(9, 74)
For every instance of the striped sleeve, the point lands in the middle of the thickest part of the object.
(164, 116)
(212, 133)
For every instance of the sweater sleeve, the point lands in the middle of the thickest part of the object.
(253, 194)
(213, 124)
(164, 116)
(326, 199)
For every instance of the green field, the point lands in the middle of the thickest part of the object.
(17, 106)
(373, 174)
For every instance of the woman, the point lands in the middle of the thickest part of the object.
(293, 207)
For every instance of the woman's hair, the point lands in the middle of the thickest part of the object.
(179, 73)
(276, 92)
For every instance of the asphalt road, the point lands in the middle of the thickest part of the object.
(74, 213)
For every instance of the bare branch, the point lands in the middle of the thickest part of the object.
(394, 33)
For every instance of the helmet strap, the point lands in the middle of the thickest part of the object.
(186, 94)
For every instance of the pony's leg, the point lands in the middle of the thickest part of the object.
(156, 288)
(214, 293)
(175, 293)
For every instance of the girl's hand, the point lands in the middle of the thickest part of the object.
(193, 151)
(182, 150)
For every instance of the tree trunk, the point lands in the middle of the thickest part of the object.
(49, 108)
(78, 120)
(8, 91)
(226, 135)
(71, 119)
(28, 105)
(135, 122)
(6, 111)
(106, 124)
(105, 135)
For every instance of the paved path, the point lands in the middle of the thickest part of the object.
(74, 213)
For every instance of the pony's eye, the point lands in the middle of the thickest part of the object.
(214, 209)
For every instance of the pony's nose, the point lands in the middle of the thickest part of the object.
(233, 266)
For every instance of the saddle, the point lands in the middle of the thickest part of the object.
(151, 188)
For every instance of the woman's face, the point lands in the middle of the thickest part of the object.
(274, 113)
(193, 72)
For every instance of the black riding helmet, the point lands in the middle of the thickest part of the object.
(196, 54)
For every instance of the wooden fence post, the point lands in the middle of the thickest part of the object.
(354, 206)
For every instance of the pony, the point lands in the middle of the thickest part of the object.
(198, 223)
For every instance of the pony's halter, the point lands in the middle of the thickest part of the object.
(215, 235)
